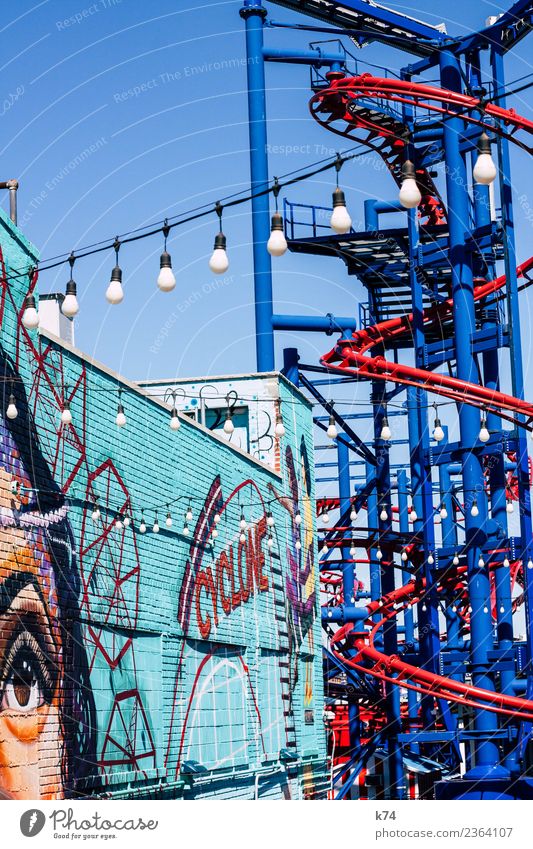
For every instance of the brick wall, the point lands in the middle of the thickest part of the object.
(148, 664)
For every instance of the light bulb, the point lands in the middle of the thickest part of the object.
(298, 544)
(431, 560)
(530, 564)
(114, 292)
(404, 556)
(118, 523)
(66, 415)
(506, 562)
(270, 541)
(298, 518)
(95, 515)
(409, 195)
(279, 430)
(188, 514)
(455, 560)
(324, 547)
(424, 607)
(340, 220)
(12, 411)
(413, 514)
(325, 517)
(229, 427)
(185, 530)
(386, 432)
(502, 609)
(480, 561)
(483, 434)
(242, 537)
(509, 507)
(174, 423)
(70, 306)
(485, 170)
(30, 316)
(142, 527)
(216, 518)
(126, 521)
(219, 262)
(165, 279)
(332, 429)
(120, 419)
(383, 515)
(379, 553)
(353, 515)
(270, 519)
(475, 509)
(168, 520)
(353, 550)
(214, 533)
(155, 526)
(277, 243)
(485, 609)
(438, 433)
(443, 512)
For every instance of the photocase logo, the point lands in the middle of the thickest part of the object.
(32, 822)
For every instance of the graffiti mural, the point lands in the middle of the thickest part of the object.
(141, 657)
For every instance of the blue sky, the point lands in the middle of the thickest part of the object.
(133, 111)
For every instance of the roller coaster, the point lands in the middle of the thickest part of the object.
(429, 682)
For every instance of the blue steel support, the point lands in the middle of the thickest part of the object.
(408, 617)
(254, 14)
(290, 365)
(486, 749)
(348, 572)
(517, 372)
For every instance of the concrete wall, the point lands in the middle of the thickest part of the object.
(148, 664)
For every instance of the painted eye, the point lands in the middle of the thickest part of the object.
(27, 684)
(14, 486)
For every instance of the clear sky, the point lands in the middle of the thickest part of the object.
(119, 112)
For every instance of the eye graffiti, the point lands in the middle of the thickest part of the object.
(27, 681)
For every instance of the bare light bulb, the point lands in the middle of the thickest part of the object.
(12, 411)
(229, 427)
(142, 526)
(66, 415)
(174, 423)
(506, 562)
(297, 518)
(386, 432)
(509, 507)
(168, 520)
(438, 433)
(219, 262)
(413, 514)
(483, 434)
(340, 220)
(279, 430)
(155, 526)
(409, 195)
(485, 170)
(379, 553)
(120, 419)
(70, 306)
(277, 243)
(475, 509)
(383, 515)
(455, 560)
(30, 316)
(270, 520)
(165, 279)
(332, 428)
(443, 512)
(114, 292)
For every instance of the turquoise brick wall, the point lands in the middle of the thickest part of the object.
(163, 665)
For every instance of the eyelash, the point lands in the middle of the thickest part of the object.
(25, 658)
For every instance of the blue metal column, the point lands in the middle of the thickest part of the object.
(254, 14)
(408, 618)
(348, 572)
(517, 372)
(486, 749)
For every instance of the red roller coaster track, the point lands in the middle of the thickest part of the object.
(358, 104)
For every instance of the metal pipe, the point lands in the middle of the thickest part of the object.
(486, 749)
(324, 324)
(254, 14)
(305, 57)
(12, 187)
